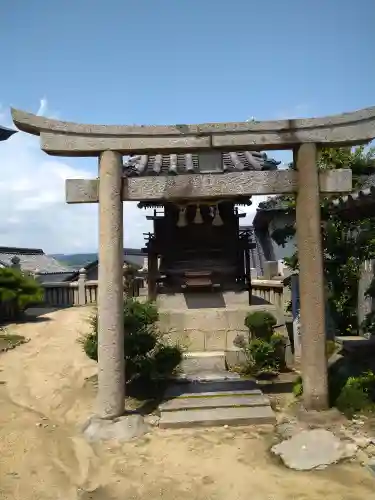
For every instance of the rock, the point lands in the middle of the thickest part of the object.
(361, 441)
(152, 420)
(121, 429)
(286, 430)
(312, 449)
(362, 457)
(359, 422)
(370, 450)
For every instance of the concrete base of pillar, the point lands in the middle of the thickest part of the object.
(122, 429)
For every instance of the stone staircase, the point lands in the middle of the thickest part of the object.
(207, 395)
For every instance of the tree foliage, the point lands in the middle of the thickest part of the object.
(149, 362)
(346, 244)
(19, 289)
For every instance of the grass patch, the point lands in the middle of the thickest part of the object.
(10, 341)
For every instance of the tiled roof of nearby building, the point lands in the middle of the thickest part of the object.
(55, 277)
(5, 133)
(31, 259)
(134, 256)
(366, 192)
(268, 210)
(361, 197)
(195, 163)
(273, 203)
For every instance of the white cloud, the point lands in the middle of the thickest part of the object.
(33, 212)
(42, 107)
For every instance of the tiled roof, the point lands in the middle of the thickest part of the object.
(133, 256)
(31, 259)
(55, 277)
(365, 191)
(172, 164)
(273, 204)
(5, 133)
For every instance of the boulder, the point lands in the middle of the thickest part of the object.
(313, 449)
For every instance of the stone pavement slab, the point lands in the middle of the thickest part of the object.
(217, 417)
(235, 401)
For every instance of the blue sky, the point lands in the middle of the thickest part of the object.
(119, 61)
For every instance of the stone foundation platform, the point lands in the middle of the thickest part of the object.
(208, 322)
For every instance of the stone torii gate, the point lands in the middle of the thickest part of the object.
(209, 140)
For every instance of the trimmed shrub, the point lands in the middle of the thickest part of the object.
(148, 361)
(265, 356)
(260, 324)
(349, 394)
(357, 394)
(18, 290)
(265, 351)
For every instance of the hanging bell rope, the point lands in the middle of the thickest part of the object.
(198, 216)
(182, 222)
(217, 220)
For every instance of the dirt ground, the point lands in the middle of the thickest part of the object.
(46, 396)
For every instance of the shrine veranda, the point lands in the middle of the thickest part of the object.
(199, 174)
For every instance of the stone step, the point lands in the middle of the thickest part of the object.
(224, 394)
(201, 361)
(218, 387)
(214, 401)
(207, 376)
(209, 417)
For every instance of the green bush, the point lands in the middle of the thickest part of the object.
(265, 356)
(260, 324)
(348, 394)
(265, 352)
(19, 289)
(139, 316)
(357, 394)
(148, 362)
